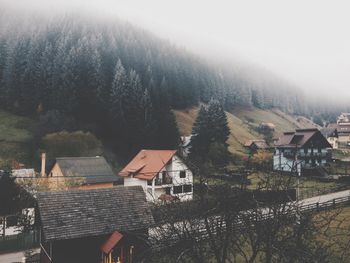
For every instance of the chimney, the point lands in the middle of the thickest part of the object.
(43, 164)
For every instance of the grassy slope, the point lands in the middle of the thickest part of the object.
(243, 121)
(16, 137)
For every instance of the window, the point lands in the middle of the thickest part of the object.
(177, 189)
(149, 182)
(187, 188)
(164, 174)
(11, 221)
(167, 190)
(182, 174)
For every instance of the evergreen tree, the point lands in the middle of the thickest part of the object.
(210, 133)
(149, 123)
(200, 134)
(119, 86)
(217, 127)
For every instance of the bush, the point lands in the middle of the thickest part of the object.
(71, 144)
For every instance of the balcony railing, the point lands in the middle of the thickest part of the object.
(164, 181)
(301, 155)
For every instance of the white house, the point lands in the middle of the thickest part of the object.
(344, 117)
(185, 145)
(161, 173)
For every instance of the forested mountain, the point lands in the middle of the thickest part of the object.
(118, 76)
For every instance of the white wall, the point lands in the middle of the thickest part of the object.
(15, 230)
(280, 163)
(173, 169)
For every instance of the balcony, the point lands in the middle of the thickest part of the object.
(302, 155)
(163, 181)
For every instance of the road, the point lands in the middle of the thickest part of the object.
(15, 257)
(324, 198)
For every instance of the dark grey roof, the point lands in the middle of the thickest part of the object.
(86, 213)
(92, 169)
(300, 138)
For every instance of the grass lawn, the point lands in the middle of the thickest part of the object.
(16, 137)
(307, 187)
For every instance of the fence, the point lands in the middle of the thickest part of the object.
(264, 214)
(20, 242)
(307, 192)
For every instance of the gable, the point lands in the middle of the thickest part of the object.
(317, 141)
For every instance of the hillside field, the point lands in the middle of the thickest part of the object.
(16, 138)
(243, 122)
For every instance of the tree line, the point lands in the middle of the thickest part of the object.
(118, 76)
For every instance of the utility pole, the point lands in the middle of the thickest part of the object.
(296, 169)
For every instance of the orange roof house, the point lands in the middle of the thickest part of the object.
(147, 163)
(162, 174)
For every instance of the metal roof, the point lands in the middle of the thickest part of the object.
(91, 169)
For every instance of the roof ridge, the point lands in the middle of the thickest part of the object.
(82, 157)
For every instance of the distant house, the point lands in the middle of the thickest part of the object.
(98, 225)
(331, 134)
(343, 130)
(161, 173)
(344, 117)
(267, 126)
(303, 148)
(255, 145)
(84, 172)
(185, 145)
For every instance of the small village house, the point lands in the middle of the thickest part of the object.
(267, 126)
(344, 117)
(331, 134)
(185, 145)
(301, 149)
(343, 130)
(254, 146)
(96, 226)
(162, 174)
(84, 172)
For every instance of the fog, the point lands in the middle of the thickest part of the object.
(306, 42)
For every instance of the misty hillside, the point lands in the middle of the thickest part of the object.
(244, 122)
(119, 77)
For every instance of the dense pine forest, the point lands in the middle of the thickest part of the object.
(119, 77)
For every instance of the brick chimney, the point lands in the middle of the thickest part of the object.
(43, 164)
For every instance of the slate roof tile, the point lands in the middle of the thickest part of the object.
(82, 213)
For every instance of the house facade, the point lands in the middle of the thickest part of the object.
(96, 226)
(302, 149)
(162, 174)
(343, 130)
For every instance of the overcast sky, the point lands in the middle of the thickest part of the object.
(305, 41)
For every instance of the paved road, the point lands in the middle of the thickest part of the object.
(324, 198)
(14, 257)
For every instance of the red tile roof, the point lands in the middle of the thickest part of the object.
(111, 242)
(147, 163)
